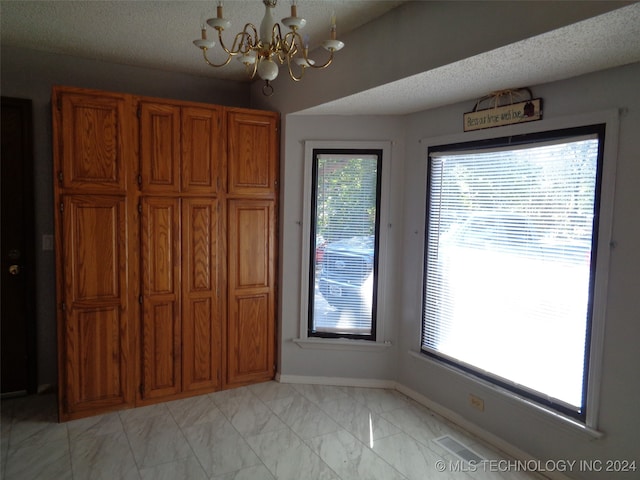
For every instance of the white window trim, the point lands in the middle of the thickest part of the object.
(605, 241)
(304, 341)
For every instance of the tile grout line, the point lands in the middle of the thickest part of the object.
(351, 433)
(68, 437)
(302, 440)
(126, 434)
(186, 439)
(241, 435)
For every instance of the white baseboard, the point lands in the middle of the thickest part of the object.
(475, 430)
(336, 381)
(444, 412)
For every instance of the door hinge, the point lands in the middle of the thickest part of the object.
(63, 306)
(139, 207)
(139, 179)
(140, 299)
(60, 177)
(62, 206)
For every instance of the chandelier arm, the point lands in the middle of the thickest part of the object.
(292, 75)
(297, 39)
(292, 45)
(254, 69)
(210, 63)
(287, 54)
(242, 39)
(239, 40)
(276, 38)
(325, 65)
(252, 41)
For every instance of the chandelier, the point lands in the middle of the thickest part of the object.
(261, 51)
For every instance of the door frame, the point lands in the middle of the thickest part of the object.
(28, 226)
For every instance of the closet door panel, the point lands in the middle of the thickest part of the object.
(253, 154)
(161, 326)
(159, 148)
(95, 146)
(251, 303)
(96, 346)
(249, 338)
(201, 150)
(201, 329)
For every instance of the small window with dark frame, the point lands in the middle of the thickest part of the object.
(510, 254)
(344, 243)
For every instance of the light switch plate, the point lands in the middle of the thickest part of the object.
(47, 242)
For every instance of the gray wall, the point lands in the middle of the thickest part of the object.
(520, 424)
(337, 364)
(30, 74)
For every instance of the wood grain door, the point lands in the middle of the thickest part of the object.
(95, 331)
(161, 321)
(201, 150)
(96, 141)
(159, 147)
(252, 153)
(251, 283)
(201, 309)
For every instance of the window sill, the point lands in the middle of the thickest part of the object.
(342, 344)
(537, 411)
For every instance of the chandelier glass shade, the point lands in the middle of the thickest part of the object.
(263, 50)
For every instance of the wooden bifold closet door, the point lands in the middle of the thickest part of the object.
(181, 327)
(181, 303)
(165, 248)
(252, 218)
(93, 146)
(96, 333)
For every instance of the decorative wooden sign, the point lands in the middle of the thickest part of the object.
(498, 116)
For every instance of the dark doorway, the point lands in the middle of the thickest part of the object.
(17, 249)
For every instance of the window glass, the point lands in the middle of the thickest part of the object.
(344, 243)
(509, 255)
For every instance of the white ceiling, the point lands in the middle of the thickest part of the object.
(158, 34)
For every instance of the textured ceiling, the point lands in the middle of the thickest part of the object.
(158, 34)
(605, 41)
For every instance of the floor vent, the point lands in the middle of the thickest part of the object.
(459, 449)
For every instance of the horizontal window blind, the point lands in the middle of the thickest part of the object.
(508, 261)
(344, 240)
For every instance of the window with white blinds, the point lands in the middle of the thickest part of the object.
(344, 243)
(509, 253)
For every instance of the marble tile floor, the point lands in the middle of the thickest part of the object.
(266, 431)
